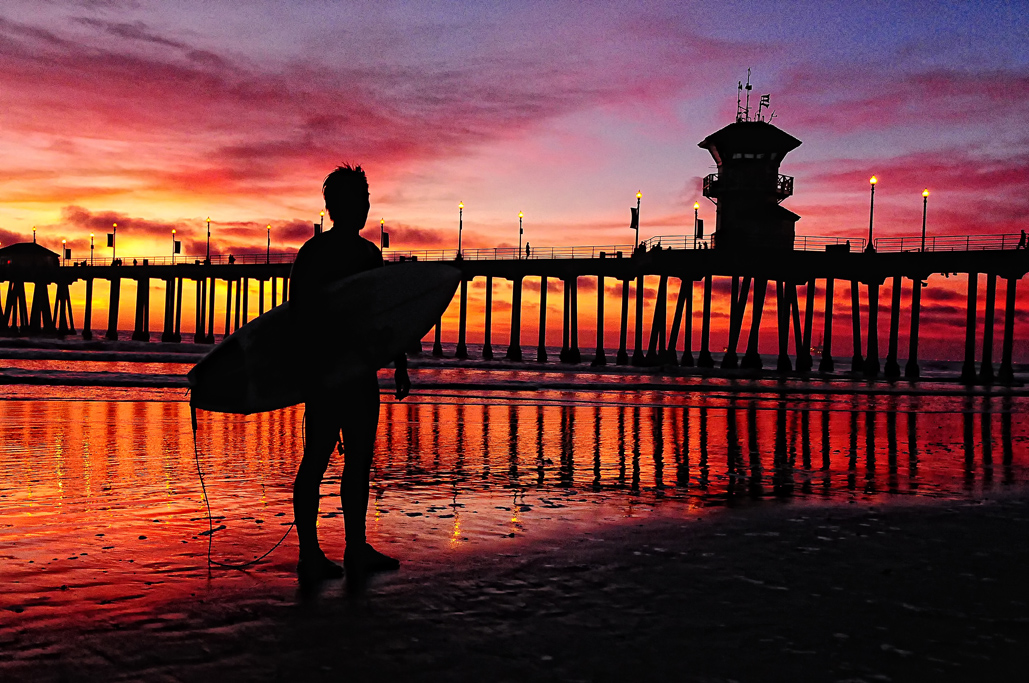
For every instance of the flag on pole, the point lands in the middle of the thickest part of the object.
(700, 228)
(67, 254)
(110, 239)
(635, 224)
(385, 240)
(178, 247)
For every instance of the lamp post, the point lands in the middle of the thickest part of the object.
(208, 240)
(871, 212)
(33, 234)
(64, 252)
(382, 229)
(268, 254)
(173, 246)
(696, 219)
(520, 233)
(91, 248)
(639, 196)
(321, 222)
(114, 243)
(460, 225)
(925, 204)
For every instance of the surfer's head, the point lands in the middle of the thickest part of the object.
(346, 197)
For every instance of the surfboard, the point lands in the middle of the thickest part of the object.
(376, 315)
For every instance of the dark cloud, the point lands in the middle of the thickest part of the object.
(103, 221)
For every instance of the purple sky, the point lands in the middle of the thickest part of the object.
(158, 114)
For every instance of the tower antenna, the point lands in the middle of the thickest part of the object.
(739, 93)
(749, 87)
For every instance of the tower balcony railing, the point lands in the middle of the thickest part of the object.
(714, 186)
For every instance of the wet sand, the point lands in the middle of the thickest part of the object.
(927, 591)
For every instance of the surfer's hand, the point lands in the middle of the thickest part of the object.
(403, 383)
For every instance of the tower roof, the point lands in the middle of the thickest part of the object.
(749, 136)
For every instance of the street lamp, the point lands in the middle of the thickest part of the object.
(64, 251)
(173, 246)
(90, 248)
(925, 204)
(33, 234)
(114, 243)
(208, 239)
(268, 254)
(696, 219)
(520, 233)
(871, 212)
(321, 222)
(639, 196)
(460, 225)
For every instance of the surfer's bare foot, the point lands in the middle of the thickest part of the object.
(366, 559)
(318, 568)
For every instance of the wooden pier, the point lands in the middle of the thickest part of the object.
(797, 275)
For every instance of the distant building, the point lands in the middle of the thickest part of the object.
(28, 255)
(748, 187)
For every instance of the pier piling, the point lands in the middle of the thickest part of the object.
(826, 365)
(705, 360)
(986, 369)
(514, 349)
(857, 362)
(872, 360)
(968, 367)
(462, 322)
(487, 332)
(752, 359)
(1006, 372)
(112, 310)
(623, 356)
(911, 368)
(600, 358)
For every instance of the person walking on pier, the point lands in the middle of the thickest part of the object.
(527, 252)
(345, 414)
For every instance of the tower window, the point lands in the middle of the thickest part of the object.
(748, 156)
(737, 155)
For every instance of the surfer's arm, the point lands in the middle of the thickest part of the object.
(401, 377)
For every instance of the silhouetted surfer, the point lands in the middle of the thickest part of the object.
(351, 409)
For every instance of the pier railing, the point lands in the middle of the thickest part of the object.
(513, 253)
(951, 243)
(940, 243)
(800, 242)
(227, 259)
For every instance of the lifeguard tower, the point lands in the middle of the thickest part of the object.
(748, 188)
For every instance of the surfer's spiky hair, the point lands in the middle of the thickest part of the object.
(344, 188)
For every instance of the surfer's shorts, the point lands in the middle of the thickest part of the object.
(352, 408)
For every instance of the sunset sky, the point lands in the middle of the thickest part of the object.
(159, 114)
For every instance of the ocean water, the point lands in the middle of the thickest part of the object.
(102, 512)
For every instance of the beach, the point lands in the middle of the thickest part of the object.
(803, 592)
(553, 524)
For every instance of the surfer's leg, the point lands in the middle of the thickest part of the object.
(360, 422)
(320, 432)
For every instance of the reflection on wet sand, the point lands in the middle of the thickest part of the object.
(88, 487)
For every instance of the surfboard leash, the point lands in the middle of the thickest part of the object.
(210, 521)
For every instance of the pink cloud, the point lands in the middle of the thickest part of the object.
(878, 98)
